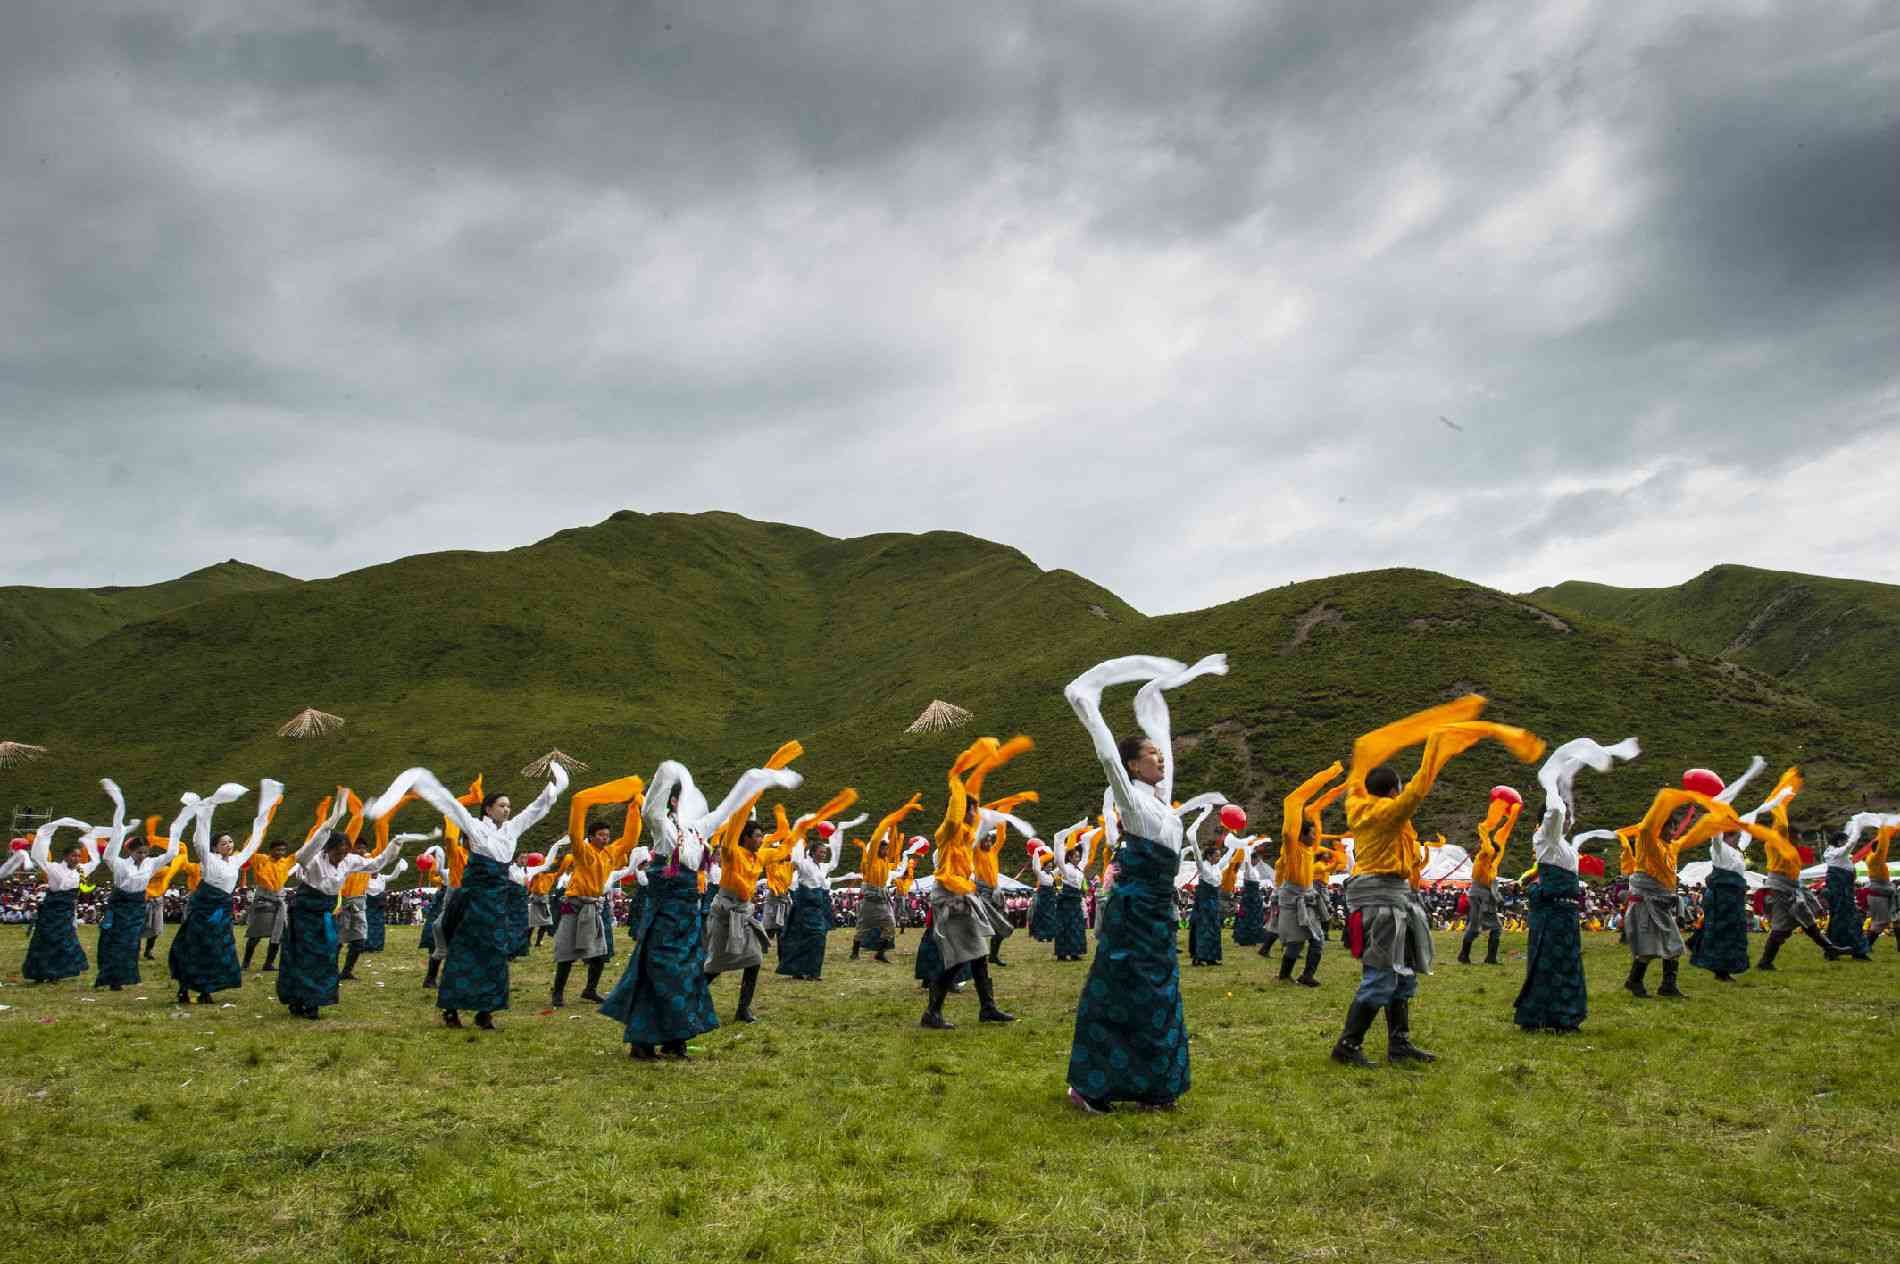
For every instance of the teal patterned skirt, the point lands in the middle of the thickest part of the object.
(1131, 1040)
(636, 912)
(475, 974)
(520, 935)
(662, 995)
(431, 913)
(376, 916)
(1250, 919)
(1722, 942)
(203, 956)
(1204, 925)
(1042, 914)
(1843, 913)
(1553, 994)
(306, 970)
(801, 945)
(119, 932)
(929, 961)
(52, 950)
(1071, 928)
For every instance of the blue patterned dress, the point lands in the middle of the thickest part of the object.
(431, 913)
(1042, 914)
(520, 934)
(1204, 925)
(475, 973)
(203, 956)
(376, 914)
(1722, 941)
(1131, 1041)
(662, 995)
(1250, 919)
(306, 972)
(53, 951)
(119, 932)
(1071, 928)
(1843, 913)
(1553, 995)
(801, 945)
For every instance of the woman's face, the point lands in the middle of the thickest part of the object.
(500, 810)
(224, 846)
(75, 857)
(335, 852)
(1146, 765)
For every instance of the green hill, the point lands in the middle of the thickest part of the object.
(1836, 639)
(711, 638)
(39, 624)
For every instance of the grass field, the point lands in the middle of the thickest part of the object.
(1751, 1122)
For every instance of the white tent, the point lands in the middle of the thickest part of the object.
(1696, 874)
(1450, 863)
(1818, 873)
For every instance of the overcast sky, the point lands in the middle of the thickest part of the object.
(1193, 298)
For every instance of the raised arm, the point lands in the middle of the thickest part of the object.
(42, 849)
(1084, 695)
(1293, 807)
(530, 816)
(314, 840)
(116, 840)
(547, 858)
(392, 851)
(1151, 713)
(270, 794)
(424, 784)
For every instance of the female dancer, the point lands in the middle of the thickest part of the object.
(454, 865)
(801, 947)
(1553, 997)
(987, 856)
(1301, 922)
(1843, 912)
(1070, 933)
(375, 888)
(1130, 1029)
(1652, 913)
(431, 864)
(475, 926)
(203, 957)
(521, 880)
(961, 922)
(662, 998)
(124, 920)
(1720, 944)
(1880, 907)
(1204, 925)
(376, 902)
(1042, 909)
(52, 949)
(306, 975)
(1250, 916)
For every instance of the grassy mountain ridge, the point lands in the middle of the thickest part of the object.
(711, 638)
(1836, 639)
(39, 624)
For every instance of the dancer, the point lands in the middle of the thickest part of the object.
(1790, 904)
(801, 948)
(1301, 921)
(1553, 997)
(1071, 930)
(1250, 915)
(306, 975)
(1204, 924)
(1130, 1040)
(662, 998)
(1042, 908)
(1494, 834)
(987, 853)
(1651, 919)
(268, 914)
(540, 907)
(1387, 929)
(778, 880)
(1880, 905)
(376, 900)
(474, 925)
(52, 949)
(431, 864)
(454, 865)
(961, 921)
(132, 873)
(370, 887)
(161, 881)
(734, 938)
(1720, 943)
(1843, 911)
(203, 957)
(877, 918)
(581, 933)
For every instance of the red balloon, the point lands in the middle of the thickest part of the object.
(825, 829)
(1507, 794)
(1702, 781)
(425, 863)
(533, 859)
(21, 844)
(1234, 817)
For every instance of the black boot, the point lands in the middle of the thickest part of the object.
(1491, 949)
(986, 996)
(485, 1020)
(184, 995)
(1398, 1036)
(1769, 950)
(1289, 958)
(676, 1050)
(933, 1011)
(1824, 943)
(451, 1018)
(1266, 945)
(1634, 983)
(149, 945)
(561, 970)
(435, 968)
(1464, 949)
(882, 954)
(1669, 988)
(592, 991)
(996, 953)
(349, 963)
(748, 984)
(250, 950)
(1348, 1050)
(1309, 977)
(855, 945)
(270, 960)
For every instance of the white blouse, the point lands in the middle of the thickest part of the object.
(808, 874)
(1549, 844)
(61, 876)
(682, 835)
(480, 835)
(379, 882)
(1144, 809)
(222, 872)
(315, 870)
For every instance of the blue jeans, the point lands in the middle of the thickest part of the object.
(1381, 985)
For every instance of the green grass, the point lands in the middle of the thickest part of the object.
(1837, 639)
(712, 638)
(1752, 1121)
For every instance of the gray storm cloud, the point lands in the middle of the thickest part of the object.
(311, 286)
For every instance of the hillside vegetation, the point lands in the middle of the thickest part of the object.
(711, 638)
(1837, 639)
